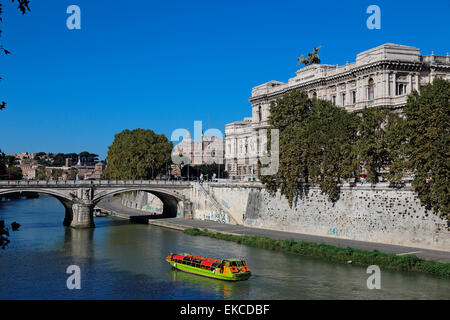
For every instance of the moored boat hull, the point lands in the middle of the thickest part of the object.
(214, 271)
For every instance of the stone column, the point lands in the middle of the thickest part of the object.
(389, 85)
(409, 87)
(83, 215)
(394, 87)
(416, 78)
(385, 84)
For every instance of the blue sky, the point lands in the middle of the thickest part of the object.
(162, 65)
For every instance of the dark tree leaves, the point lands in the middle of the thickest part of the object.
(316, 146)
(134, 154)
(324, 145)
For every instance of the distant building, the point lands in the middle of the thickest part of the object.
(29, 170)
(90, 172)
(208, 150)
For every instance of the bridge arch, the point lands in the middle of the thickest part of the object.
(172, 201)
(65, 200)
(52, 192)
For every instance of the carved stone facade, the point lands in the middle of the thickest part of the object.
(382, 76)
(207, 150)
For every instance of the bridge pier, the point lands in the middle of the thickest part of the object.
(68, 216)
(69, 213)
(82, 215)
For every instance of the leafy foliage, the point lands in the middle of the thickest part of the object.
(316, 145)
(41, 174)
(57, 174)
(15, 172)
(423, 142)
(134, 153)
(73, 174)
(324, 145)
(371, 146)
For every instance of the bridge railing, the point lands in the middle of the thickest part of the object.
(90, 182)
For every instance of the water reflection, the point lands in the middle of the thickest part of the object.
(223, 289)
(78, 243)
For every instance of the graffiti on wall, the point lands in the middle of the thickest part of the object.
(340, 232)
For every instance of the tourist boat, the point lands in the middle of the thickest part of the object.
(230, 269)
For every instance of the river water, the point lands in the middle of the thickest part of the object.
(121, 260)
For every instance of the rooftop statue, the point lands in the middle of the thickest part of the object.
(313, 58)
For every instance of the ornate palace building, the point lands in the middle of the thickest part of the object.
(207, 150)
(382, 76)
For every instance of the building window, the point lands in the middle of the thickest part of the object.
(259, 114)
(334, 100)
(401, 89)
(343, 100)
(353, 97)
(371, 90)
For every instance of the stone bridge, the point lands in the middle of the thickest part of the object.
(80, 197)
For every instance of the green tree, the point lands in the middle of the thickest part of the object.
(288, 114)
(73, 174)
(424, 145)
(11, 161)
(137, 154)
(59, 160)
(57, 174)
(15, 172)
(395, 142)
(41, 173)
(331, 138)
(23, 6)
(316, 145)
(41, 158)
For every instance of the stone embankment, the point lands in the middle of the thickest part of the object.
(114, 207)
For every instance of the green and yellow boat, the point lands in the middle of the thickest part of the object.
(230, 269)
